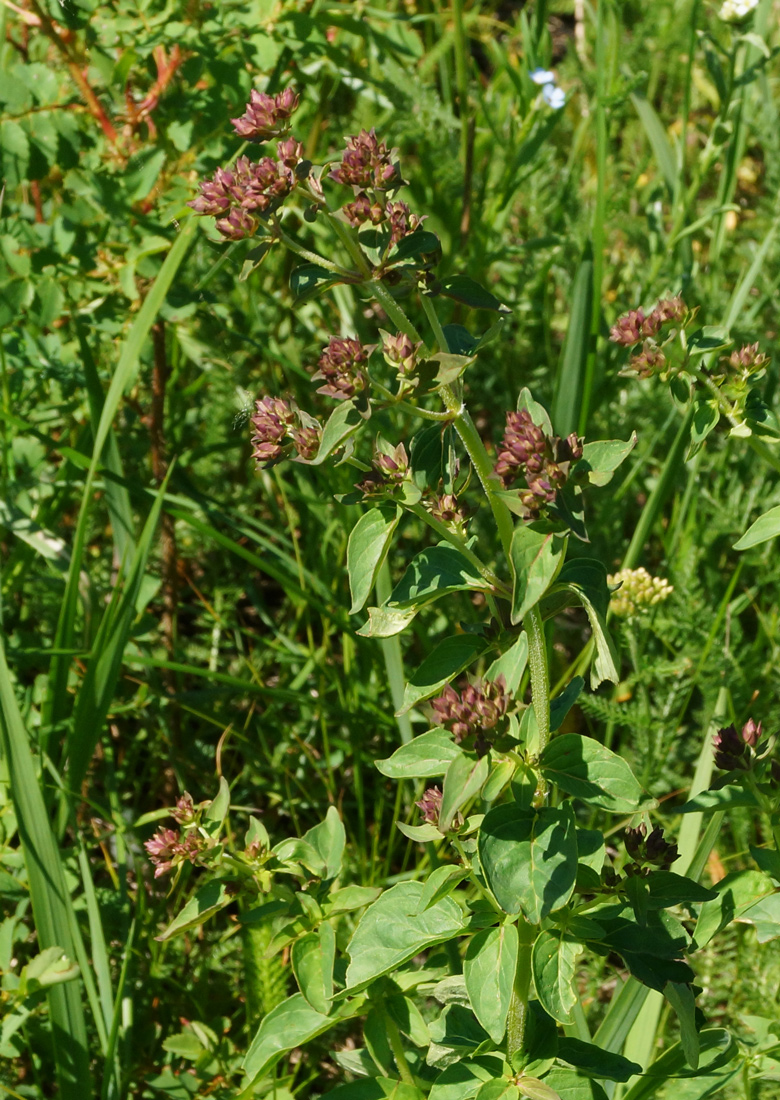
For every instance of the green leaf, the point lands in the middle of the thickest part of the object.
(768, 860)
(665, 889)
(765, 527)
(511, 665)
(309, 280)
(349, 898)
(499, 1089)
(569, 1085)
(464, 780)
(375, 1088)
(562, 704)
(368, 544)
(218, 809)
(312, 958)
(570, 375)
(455, 1033)
(421, 834)
(736, 893)
(449, 658)
(529, 858)
(764, 915)
(594, 1061)
(553, 962)
(587, 580)
(601, 458)
(659, 141)
(705, 418)
(717, 1049)
(707, 340)
(440, 884)
(707, 802)
(682, 1000)
(466, 290)
(534, 1089)
(489, 969)
(591, 772)
(289, 1025)
(420, 245)
(50, 967)
(392, 931)
(463, 1080)
(296, 850)
(328, 839)
(428, 755)
(434, 572)
(207, 901)
(343, 422)
(536, 557)
(386, 622)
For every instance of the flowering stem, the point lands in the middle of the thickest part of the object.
(344, 235)
(399, 403)
(393, 310)
(518, 1006)
(312, 257)
(470, 438)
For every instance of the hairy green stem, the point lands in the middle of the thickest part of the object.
(540, 677)
(518, 1006)
(393, 310)
(313, 257)
(397, 1047)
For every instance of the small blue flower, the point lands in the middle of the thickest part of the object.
(553, 97)
(542, 76)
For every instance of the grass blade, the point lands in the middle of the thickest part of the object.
(51, 903)
(569, 383)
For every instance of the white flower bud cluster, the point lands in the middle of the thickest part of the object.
(638, 592)
(734, 10)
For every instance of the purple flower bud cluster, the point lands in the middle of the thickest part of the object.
(366, 162)
(430, 805)
(748, 360)
(474, 710)
(169, 848)
(400, 352)
(653, 849)
(734, 751)
(266, 116)
(184, 810)
(402, 221)
(389, 472)
(544, 461)
(635, 325)
(362, 210)
(250, 188)
(340, 368)
(278, 427)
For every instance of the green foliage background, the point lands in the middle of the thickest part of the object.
(237, 646)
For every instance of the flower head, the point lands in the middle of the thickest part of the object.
(400, 352)
(543, 461)
(266, 116)
(168, 848)
(474, 710)
(627, 330)
(362, 210)
(340, 367)
(430, 805)
(542, 76)
(401, 220)
(277, 427)
(735, 10)
(554, 97)
(638, 592)
(648, 361)
(365, 163)
(447, 509)
(735, 751)
(653, 849)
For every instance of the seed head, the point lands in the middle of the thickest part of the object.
(266, 116)
(362, 210)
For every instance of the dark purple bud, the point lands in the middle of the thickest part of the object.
(271, 422)
(447, 509)
(402, 221)
(730, 750)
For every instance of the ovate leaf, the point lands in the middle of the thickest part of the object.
(366, 550)
(536, 557)
(591, 772)
(553, 962)
(287, 1026)
(424, 756)
(489, 969)
(449, 658)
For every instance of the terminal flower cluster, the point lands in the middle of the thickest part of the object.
(278, 427)
(473, 711)
(733, 11)
(446, 508)
(735, 751)
(637, 327)
(170, 848)
(237, 196)
(390, 469)
(638, 592)
(544, 461)
(366, 162)
(341, 368)
(266, 116)
(652, 851)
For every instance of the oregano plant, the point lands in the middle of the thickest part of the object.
(542, 850)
